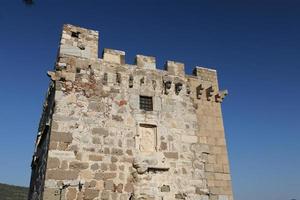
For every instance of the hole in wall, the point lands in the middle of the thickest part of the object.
(75, 34)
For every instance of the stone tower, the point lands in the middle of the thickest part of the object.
(116, 131)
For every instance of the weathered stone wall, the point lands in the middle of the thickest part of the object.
(103, 146)
(39, 159)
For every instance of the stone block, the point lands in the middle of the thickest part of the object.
(116, 151)
(96, 106)
(90, 194)
(50, 194)
(189, 138)
(222, 176)
(128, 187)
(114, 159)
(105, 176)
(71, 50)
(163, 146)
(96, 140)
(94, 166)
(100, 131)
(71, 193)
(209, 167)
(60, 174)
(53, 145)
(114, 196)
(61, 137)
(113, 167)
(117, 118)
(78, 165)
(53, 163)
(105, 195)
(104, 167)
(94, 157)
(171, 155)
(109, 185)
(201, 191)
(200, 148)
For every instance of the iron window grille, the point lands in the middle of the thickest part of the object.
(146, 103)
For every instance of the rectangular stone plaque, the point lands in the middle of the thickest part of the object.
(147, 138)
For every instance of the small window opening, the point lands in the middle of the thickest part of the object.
(168, 85)
(104, 81)
(146, 103)
(188, 89)
(142, 81)
(118, 78)
(92, 73)
(75, 34)
(130, 81)
(178, 88)
(154, 84)
(77, 70)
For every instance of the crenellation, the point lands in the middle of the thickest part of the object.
(210, 92)
(121, 131)
(147, 62)
(175, 68)
(114, 56)
(206, 74)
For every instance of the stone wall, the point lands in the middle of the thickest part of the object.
(39, 159)
(102, 145)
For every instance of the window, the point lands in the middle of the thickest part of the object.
(130, 81)
(146, 103)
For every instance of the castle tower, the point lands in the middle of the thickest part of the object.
(115, 131)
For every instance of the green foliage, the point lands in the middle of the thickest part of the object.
(11, 192)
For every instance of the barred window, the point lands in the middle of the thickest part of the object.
(146, 103)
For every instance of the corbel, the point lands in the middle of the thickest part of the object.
(221, 95)
(209, 93)
(199, 91)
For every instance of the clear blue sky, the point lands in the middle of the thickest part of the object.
(254, 45)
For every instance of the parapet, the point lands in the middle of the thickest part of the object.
(147, 62)
(114, 56)
(83, 43)
(175, 68)
(206, 74)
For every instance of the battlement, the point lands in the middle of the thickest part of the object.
(83, 43)
(81, 46)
